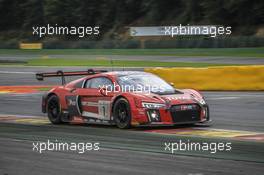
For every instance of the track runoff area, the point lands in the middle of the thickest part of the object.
(235, 138)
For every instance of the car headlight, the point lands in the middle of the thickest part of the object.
(202, 101)
(153, 105)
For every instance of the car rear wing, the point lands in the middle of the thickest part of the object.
(60, 73)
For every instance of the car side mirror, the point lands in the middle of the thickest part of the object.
(103, 91)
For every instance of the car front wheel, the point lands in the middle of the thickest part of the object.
(122, 114)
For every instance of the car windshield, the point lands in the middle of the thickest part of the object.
(145, 83)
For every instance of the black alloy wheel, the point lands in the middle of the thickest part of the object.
(122, 114)
(53, 109)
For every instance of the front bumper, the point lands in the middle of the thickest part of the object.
(172, 116)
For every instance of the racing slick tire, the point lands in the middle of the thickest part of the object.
(122, 113)
(54, 109)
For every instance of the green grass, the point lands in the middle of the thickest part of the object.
(116, 63)
(193, 52)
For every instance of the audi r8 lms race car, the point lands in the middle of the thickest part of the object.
(124, 98)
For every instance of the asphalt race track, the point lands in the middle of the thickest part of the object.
(239, 115)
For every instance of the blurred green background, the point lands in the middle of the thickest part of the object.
(114, 17)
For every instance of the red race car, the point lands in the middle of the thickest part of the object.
(123, 98)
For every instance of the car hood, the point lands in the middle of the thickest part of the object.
(185, 96)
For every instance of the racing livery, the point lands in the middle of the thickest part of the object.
(123, 98)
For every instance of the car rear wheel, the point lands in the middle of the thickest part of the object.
(122, 114)
(53, 109)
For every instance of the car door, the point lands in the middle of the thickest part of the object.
(93, 104)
